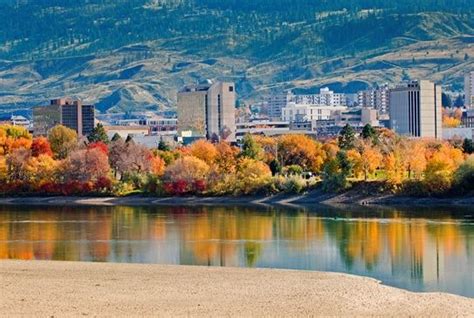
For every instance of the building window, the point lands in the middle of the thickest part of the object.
(231, 88)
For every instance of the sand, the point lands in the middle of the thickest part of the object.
(35, 288)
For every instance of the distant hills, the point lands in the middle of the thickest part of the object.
(126, 55)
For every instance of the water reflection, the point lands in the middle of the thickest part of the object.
(401, 248)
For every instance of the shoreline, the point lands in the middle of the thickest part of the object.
(107, 289)
(312, 198)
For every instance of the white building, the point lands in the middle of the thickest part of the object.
(325, 97)
(307, 112)
(415, 109)
(469, 90)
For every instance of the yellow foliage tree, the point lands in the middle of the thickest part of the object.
(204, 150)
(301, 150)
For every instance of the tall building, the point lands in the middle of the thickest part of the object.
(469, 90)
(64, 111)
(207, 111)
(276, 102)
(378, 99)
(415, 109)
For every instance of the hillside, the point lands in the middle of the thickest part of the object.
(135, 54)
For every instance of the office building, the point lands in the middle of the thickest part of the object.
(469, 90)
(415, 109)
(66, 112)
(207, 111)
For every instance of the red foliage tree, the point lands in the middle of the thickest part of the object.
(41, 146)
(100, 146)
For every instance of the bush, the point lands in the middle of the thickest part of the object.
(291, 184)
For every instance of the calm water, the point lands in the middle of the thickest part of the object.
(423, 251)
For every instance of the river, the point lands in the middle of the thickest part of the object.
(415, 249)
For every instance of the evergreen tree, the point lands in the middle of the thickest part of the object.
(446, 100)
(98, 134)
(368, 132)
(459, 102)
(347, 137)
(129, 139)
(116, 137)
(163, 146)
(275, 167)
(468, 146)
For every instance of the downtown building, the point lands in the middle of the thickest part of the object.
(66, 112)
(469, 90)
(378, 99)
(415, 109)
(207, 111)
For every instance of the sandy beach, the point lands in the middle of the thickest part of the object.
(102, 289)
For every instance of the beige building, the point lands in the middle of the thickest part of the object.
(64, 111)
(207, 110)
(469, 90)
(415, 109)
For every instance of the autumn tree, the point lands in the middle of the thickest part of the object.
(204, 150)
(63, 140)
(86, 165)
(301, 150)
(128, 157)
(252, 175)
(41, 146)
(186, 174)
(13, 137)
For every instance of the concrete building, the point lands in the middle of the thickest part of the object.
(325, 97)
(15, 120)
(369, 116)
(469, 90)
(307, 112)
(276, 102)
(207, 111)
(415, 109)
(262, 127)
(378, 99)
(66, 112)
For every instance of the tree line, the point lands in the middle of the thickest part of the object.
(63, 164)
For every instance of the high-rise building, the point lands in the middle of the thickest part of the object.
(276, 102)
(66, 112)
(207, 111)
(378, 99)
(415, 109)
(469, 90)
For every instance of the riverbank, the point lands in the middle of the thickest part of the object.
(312, 198)
(44, 288)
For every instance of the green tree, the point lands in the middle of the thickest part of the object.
(98, 134)
(446, 100)
(116, 137)
(336, 173)
(163, 146)
(368, 132)
(347, 137)
(468, 146)
(250, 148)
(63, 140)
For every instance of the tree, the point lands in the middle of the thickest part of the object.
(63, 140)
(252, 175)
(468, 146)
(186, 174)
(127, 158)
(459, 102)
(347, 137)
(98, 134)
(446, 100)
(86, 165)
(13, 137)
(163, 146)
(204, 150)
(41, 146)
(116, 137)
(301, 150)
(250, 148)
(336, 173)
(42, 169)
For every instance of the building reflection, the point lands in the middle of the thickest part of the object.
(424, 250)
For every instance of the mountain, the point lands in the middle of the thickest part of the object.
(127, 55)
